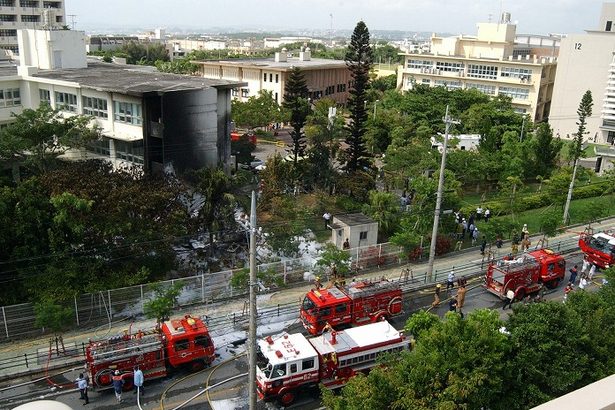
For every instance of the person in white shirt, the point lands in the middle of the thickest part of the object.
(592, 271)
(479, 213)
(510, 296)
(450, 282)
(585, 266)
(583, 283)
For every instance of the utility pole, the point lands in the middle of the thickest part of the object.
(252, 327)
(436, 218)
(570, 188)
(522, 127)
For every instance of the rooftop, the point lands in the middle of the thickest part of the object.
(270, 63)
(131, 80)
(354, 219)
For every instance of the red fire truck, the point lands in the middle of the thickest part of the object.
(290, 363)
(178, 342)
(599, 248)
(357, 304)
(525, 274)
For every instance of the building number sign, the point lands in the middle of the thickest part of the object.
(577, 46)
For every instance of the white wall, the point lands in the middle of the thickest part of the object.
(55, 49)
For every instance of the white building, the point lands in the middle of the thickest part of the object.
(462, 142)
(324, 78)
(149, 119)
(280, 41)
(486, 62)
(586, 63)
(16, 14)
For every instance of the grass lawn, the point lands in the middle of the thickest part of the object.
(578, 212)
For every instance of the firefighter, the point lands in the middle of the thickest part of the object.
(317, 283)
(436, 296)
(118, 384)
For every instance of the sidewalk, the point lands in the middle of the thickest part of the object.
(31, 356)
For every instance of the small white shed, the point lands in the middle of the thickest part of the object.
(359, 229)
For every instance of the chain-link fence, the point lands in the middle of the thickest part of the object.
(93, 309)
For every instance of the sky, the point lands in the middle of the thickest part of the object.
(443, 16)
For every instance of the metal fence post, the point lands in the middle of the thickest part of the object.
(76, 310)
(6, 326)
(202, 288)
(142, 299)
(25, 355)
(110, 308)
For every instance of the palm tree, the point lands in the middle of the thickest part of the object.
(383, 207)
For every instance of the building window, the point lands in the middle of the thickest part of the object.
(425, 81)
(7, 3)
(26, 18)
(245, 92)
(449, 67)
(520, 110)
(270, 77)
(515, 93)
(100, 147)
(66, 101)
(96, 107)
(277, 78)
(523, 74)
(8, 33)
(483, 88)
(130, 113)
(610, 138)
(28, 3)
(129, 151)
(363, 235)
(59, 19)
(420, 64)
(609, 24)
(44, 95)
(450, 85)
(52, 4)
(276, 97)
(489, 72)
(10, 97)
(264, 77)
(235, 92)
(8, 17)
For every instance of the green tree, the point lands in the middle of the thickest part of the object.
(332, 257)
(359, 61)
(383, 207)
(144, 54)
(179, 66)
(163, 301)
(216, 213)
(296, 102)
(584, 111)
(54, 316)
(38, 137)
(546, 150)
(258, 111)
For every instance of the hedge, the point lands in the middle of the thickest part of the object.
(539, 200)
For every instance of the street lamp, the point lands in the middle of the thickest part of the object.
(375, 103)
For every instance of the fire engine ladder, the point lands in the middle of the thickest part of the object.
(125, 348)
(371, 288)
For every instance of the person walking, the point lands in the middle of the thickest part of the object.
(118, 384)
(567, 290)
(510, 297)
(475, 234)
(585, 265)
(326, 217)
(461, 298)
(471, 219)
(487, 214)
(592, 271)
(573, 275)
(483, 245)
(450, 281)
(138, 381)
(82, 385)
(436, 296)
(464, 225)
(346, 244)
(479, 213)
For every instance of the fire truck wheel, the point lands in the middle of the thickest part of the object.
(197, 365)
(128, 383)
(103, 377)
(520, 294)
(287, 398)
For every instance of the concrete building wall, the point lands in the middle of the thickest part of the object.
(52, 49)
(583, 64)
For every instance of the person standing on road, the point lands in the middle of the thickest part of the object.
(461, 298)
(573, 275)
(510, 297)
(138, 380)
(483, 245)
(118, 384)
(82, 384)
(592, 271)
(436, 296)
(585, 266)
(450, 282)
(583, 282)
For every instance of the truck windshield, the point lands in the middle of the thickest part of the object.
(263, 364)
(602, 245)
(307, 304)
